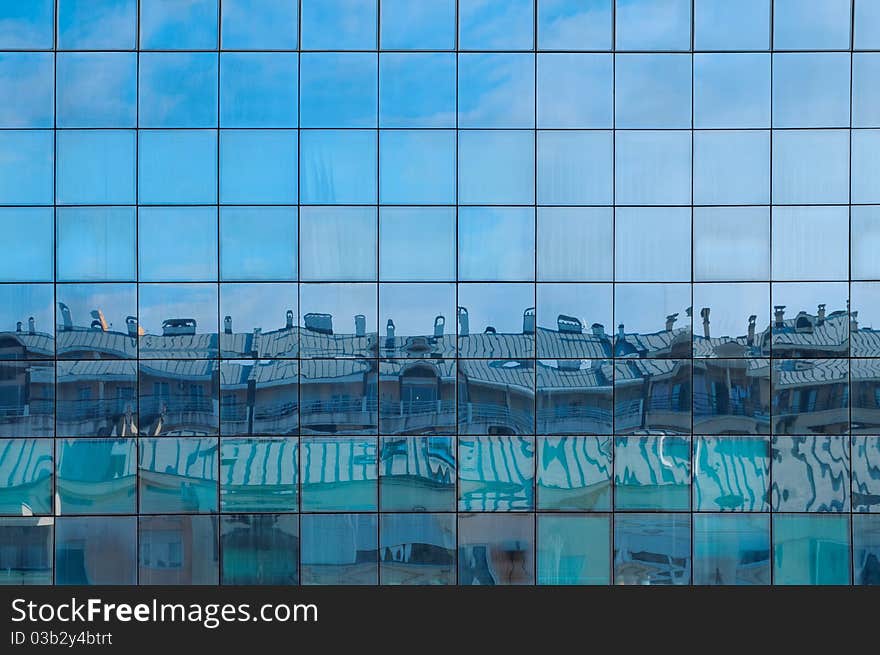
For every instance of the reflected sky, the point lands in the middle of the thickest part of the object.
(652, 91)
(824, 27)
(158, 302)
(20, 302)
(97, 24)
(114, 301)
(653, 24)
(495, 24)
(258, 89)
(496, 243)
(575, 90)
(27, 25)
(249, 24)
(339, 24)
(417, 89)
(496, 90)
(257, 305)
(725, 25)
(26, 80)
(97, 89)
(25, 251)
(575, 24)
(811, 89)
(170, 25)
(418, 24)
(413, 307)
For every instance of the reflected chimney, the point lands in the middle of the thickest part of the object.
(132, 325)
(316, 322)
(439, 325)
(490, 330)
(570, 324)
(779, 315)
(670, 321)
(18, 326)
(854, 321)
(529, 321)
(620, 331)
(66, 320)
(751, 338)
(360, 325)
(32, 326)
(227, 325)
(463, 323)
(598, 330)
(689, 312)
(389, 329)
(704, 313)
(289, 317)
(568, 364)
(820, 315)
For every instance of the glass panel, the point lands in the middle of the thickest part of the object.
(731, 90)
(496, 90)
(731, 168)
(565, 311)
(496, 549)
(731, 474)
(259, 320)
(26, 551)
(502, 317)
(866, 297)
(639, 311)
(810, 396)
(496, 167)
(653, 168)
(575, 24)
(732, 243)
(417, 549)
(266, 253)
(178, 550)
(823, 332)
(338, 243)
(177, 90)
(652, 549)
(652, 244)
(724, 25)
(418, 24)
(166, 25)
(27, 399)
(339, 24)
(495, 24)
(866, 550)
(575, 243)
(496, 474)
(97, 89)
(731, 549)
(26, 26)
(810, 474)
(97, 321)
(26, 468)
(575, 90)
(259, 25)
(652, 394)
(652, 91)
(26, 248)
(338, 89)
(177, 167)
(177, 475)
(340, 549)
(95, 167)
(574, 473)
(811, 550)
(26, 321)
(732, 396)
(177, 244)
(352, 305)
(96, 476)
(259, 397)
(26, 82)
(496, 243)
(574, 168)
(96, 398)
(339, 474)
(801, 234)
(260, 549)
(417, 167)
(26, 163)
(258, 166)
(496, 396)
(652, 473)
(259, 474)
(867, 25)
(95, 243)
(165, 333)
(417, 89)
(178, 397)
(415, 320)
(574, 550)
(417, 474)
(811, 24)
(810, 166)
(653, 24)
(866, 474)
(865, 164)
(575, 396)
(811, 90)
(726, 332)
(338, 167)
(338, 396)
(434, 259)
(98, 550)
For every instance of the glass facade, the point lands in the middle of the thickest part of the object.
(533, 292)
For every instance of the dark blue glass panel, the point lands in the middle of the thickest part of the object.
(417, 549)
(259, 474)
(417, 474)
(178, 550)
(496, 396)
(574, 549)
(97, 550)
(652, 549)
(575, 396)
(731, 549)
(96, 399)
(496, 549)
(417, 397)
(178, 475)
(732, 396)
(339, 396)
(96, 476)
(26, 551)
(260, 549)
(810, 396)
(26, 467)
(866, 549)
(27, 399)
(339, 549)
(259, 397)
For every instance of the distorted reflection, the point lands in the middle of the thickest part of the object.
(496, 549)
(96, 398)
(96, 321)
(26, 321)
(652, 395)
(25, 477)
(259, 397)
(417, 549)
(731, 474)
(811, 549)
(259, 549)
(96, 550)
(27, 399)
(810, 396)
(642, 330)
(734, 320)
(574, 549)
(414, 318)
(179, 398)
(572, 320)
(338, 320)
(866, 549)
(731, 549)
(652, 473)
(259, 320)
(574, 473)
(810, 474)
(417, 396)
(496, 396)
(96, 476)
(339, 396)
(496, 474)
(26, 550)
(652, 549)
(823, 332)
(575, 396)
(496, 320)
(339, 474)
(178, 550)
(178, 475)
(732, 396)
(177, 321)
(417, 474)
(341, 549)
(865, 395)
(865, 474)
(259, 474)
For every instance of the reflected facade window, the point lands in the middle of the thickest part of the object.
(417, 474)
(178, 550)
(652, 549)
(259, 549)
(96, 550)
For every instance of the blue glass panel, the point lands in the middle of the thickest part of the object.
(652, 395)
(495, 24)
(731, 473)
(259, 25)
(725, 334)
(26, 26)
(496, 167)
(95, 167)
(346, 310)
(652, 549)
(26, 165)
(810, 166)
(417, 549)
(259, 474)
(575, 90)
(496, 474)
(731, 168)
(177, 90)
(866, 474)
(574, 396)
(26, 321)
(177, 475)
(26, 468)
(574, 473)
(810, 474)
(338, 243)
(574, 549)
(811, 550)
(96, 476)
(97, 321)
(96, 550)
(731, 549)
(496, 319)
(259, 397)
(803, 233)
(339, 474)
(575, 24)
(571, 325)
(258, 166)
(96, 399)
(725, 25)
(652, 244)
(177, 167)
(811, 89)
(435, 257)
(417, 474)
(652, 91)
(865, 166)
(417, 167)
(496, 243)
(414, 317)
(27, 399)
(810, 396)
(731, 396)
(258, 89)
(26, 247)
(176, 396)
(417, 89)
(731, 243)
(496, 549)
(339, 24)
(496, 90)
(867, 25)
(177, 244)
(97, 89)
(802, 309)
(95, 244)
(339, 549)
(653, 167)
(653, 24)
(481, 410)
(338, 166)
(652, 473)
(811, 24)
(178, 550)
(732, 90)
(338, 89)
(27, 551)
(574, 168)
(97, 24)
(268, 252)
(170, 25)
(418, 24)
(26, 83)
(866, 550)
(260, 549)
(566, 234)
(259, 320)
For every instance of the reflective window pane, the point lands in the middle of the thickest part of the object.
(496, 243)
(731, 549)
(731, 474)
(177, 90)
(416, 167)
(496, 167)
(258, 89)
(96, 476)
(26, 470)
(652, 473)
(177, 397)
(418, 24)
(810, 474)
(259, 549)
(652, 91)
(496, 549)
(732, 90)
(435, 257)
(574, 549)
(339, 24)
(339, 474)
(258, 166)
(337, 167)
(810, 396)
(177, 167)
(267, 253)
(574, 396)
(811, 24)
(26, 248)
(97, 321)
(417, 549)
(575, 90)
(495, 24)
(26, 166)
(164, 256)
(259, 397)
(496, 474)
(574, 168)
(259, 474)
(338, 243)
(417, 474)
(178, 550)
(26, 81)
(96, 398)
(723, 25)
(575, 24)
(166, 25)
(865, 474)
(177, 475)
(653, 168)
(496, 90)
(26, 551)
(27, 399)
(652, 549)
(481, 410)
(259, 25)
(339, 549)
(653, 24)
(811, 89)
(96, 550)
(27, 25)
(866, 549)
(652, 395)
(574, 473)
(811, 549)
(338, 89)
(97, 24)
(417, 89)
